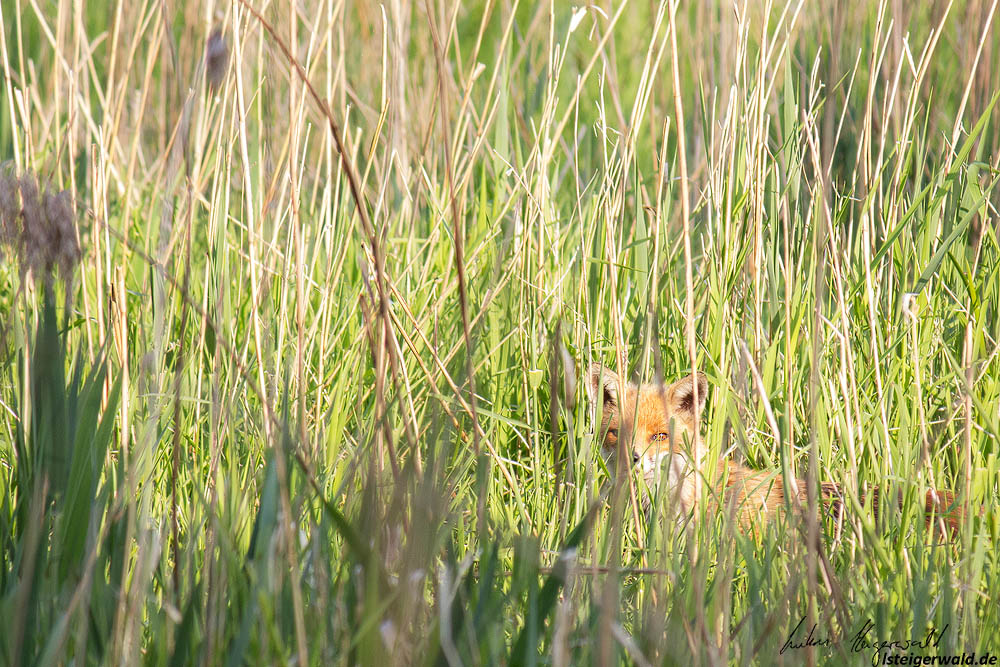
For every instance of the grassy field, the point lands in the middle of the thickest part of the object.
(291, 374)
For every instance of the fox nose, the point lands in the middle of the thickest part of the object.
(635, 457)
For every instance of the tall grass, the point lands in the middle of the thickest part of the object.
(314, 393)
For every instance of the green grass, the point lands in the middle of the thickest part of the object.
(275, 417)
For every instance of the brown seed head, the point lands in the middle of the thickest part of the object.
(39, 227)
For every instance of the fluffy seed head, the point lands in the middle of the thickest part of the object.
(38, 227)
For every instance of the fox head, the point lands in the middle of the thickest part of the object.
(653, 424)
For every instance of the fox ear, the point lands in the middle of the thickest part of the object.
(602, 385)
(682, 395)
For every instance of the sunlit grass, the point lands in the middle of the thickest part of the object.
(336, 400)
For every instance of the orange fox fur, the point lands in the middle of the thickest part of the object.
(656, 422)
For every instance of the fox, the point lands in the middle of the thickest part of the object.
(655, 423)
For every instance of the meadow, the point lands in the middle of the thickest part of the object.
(296, 300)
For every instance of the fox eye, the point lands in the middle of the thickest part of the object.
(613, 432)
(657, 437)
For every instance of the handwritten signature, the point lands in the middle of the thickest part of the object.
(862, 640)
